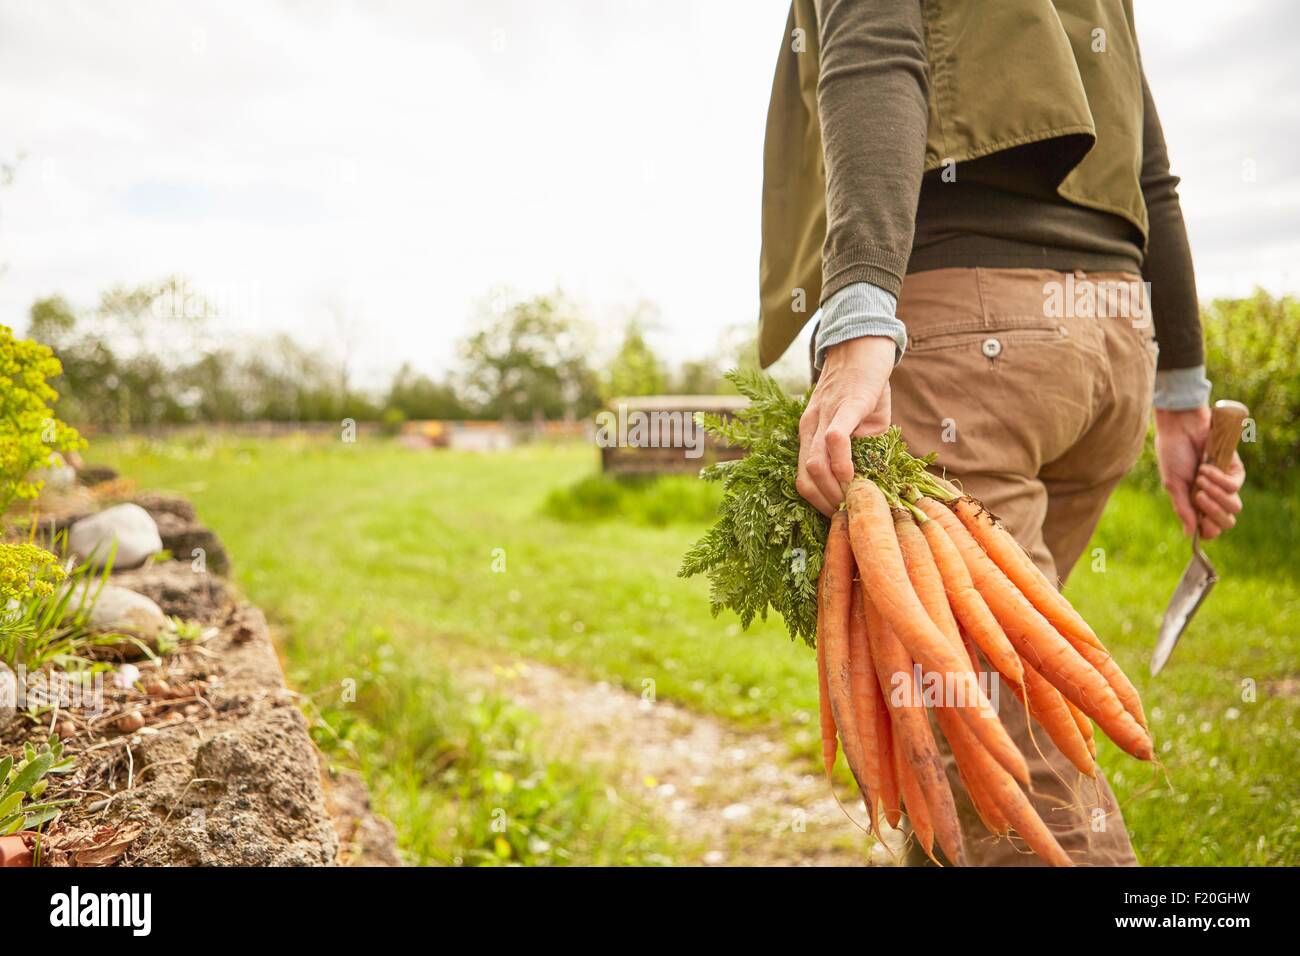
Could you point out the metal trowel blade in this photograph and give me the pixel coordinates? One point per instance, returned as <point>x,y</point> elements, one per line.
<point>1197,581</point>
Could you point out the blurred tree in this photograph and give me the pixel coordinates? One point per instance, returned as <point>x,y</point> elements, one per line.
<point>528,359</point>
<point>635,369</point>
<point>289,382</point>
<point>115,357</point>
<point>390,423</point>
<point>737,347</point>
<point>697,377</point>
<point>213,388</point>
<point>1250,356</point>
<point>51,320</point>
<point>90,371</point>
<point>418,397</point>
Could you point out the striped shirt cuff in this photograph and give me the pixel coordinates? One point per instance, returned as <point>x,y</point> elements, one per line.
<point>856,310</point>
<point>1178,389</point>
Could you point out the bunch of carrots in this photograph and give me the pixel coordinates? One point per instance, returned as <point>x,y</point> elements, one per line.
<point>922,580</point>
<point>911,574</point>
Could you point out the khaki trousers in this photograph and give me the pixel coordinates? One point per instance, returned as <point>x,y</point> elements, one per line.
<point>1037,405</point>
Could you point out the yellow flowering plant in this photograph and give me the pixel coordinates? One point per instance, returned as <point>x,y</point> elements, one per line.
<point>27,571</point>
<point>30,433</point>
<point>32,605</point>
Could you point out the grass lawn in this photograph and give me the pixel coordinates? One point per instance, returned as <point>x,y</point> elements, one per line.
<point>373,557</point>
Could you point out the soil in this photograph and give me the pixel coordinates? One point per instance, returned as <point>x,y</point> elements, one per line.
<point>206,760</point>
<point>365,838</point>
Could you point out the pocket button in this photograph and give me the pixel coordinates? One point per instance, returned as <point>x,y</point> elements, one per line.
<point>991,348</point>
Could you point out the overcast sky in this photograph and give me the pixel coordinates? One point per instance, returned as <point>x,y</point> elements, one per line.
<point>391,163</point>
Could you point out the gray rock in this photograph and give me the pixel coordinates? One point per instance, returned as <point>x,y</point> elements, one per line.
<point>57,476</point>
<point>123,611</point>
<point>8,697</point>
<point>133,528</point>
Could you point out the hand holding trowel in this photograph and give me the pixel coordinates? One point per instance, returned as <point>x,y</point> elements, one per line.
<point>1225,430</point>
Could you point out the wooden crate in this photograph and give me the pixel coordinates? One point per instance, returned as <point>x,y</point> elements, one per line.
<point>662,445</point>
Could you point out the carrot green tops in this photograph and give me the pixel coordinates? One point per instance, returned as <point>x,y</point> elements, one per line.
<point>905,136</point>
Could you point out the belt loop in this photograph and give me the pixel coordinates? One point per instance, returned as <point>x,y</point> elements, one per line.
<point>985,321</point>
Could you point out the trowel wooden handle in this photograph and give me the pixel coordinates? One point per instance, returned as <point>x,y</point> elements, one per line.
<point>1225,431</point>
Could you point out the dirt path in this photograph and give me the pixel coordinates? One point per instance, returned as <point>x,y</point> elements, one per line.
<point>731,797</point>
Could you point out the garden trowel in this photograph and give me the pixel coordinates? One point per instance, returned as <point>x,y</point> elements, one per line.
<point>1225,429</point>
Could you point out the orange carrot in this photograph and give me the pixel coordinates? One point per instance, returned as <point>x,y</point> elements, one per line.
<point>913,740</point>
<point>1008,555</point>
<point>972,612</point>
<point>971,650</point>
<point>918,814</point>
<point>929,584</point>
<point>986,808</point>
<point>823,690</point>
<point>1039,643</point>
<point>925,577</point>
<point>835,594</point>
<point>989,813</point>
<point>866,700</point>
<point>889,795</point>
<point>1084,725</point>
<point>1043,594</point>
<point>1052,711</point>
<point>989,777</point>
<point>875,545</point>
<point>1105,664</point>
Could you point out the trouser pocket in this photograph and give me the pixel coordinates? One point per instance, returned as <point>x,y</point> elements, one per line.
<point>992,381</point>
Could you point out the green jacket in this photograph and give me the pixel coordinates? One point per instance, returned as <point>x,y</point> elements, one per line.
<point>1000,74</point>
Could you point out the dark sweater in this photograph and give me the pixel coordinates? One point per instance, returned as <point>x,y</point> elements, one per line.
<point>885,217</point>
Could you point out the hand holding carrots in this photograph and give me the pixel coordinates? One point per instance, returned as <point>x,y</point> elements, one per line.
<point>912,574</point>
<point>851,398</point>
